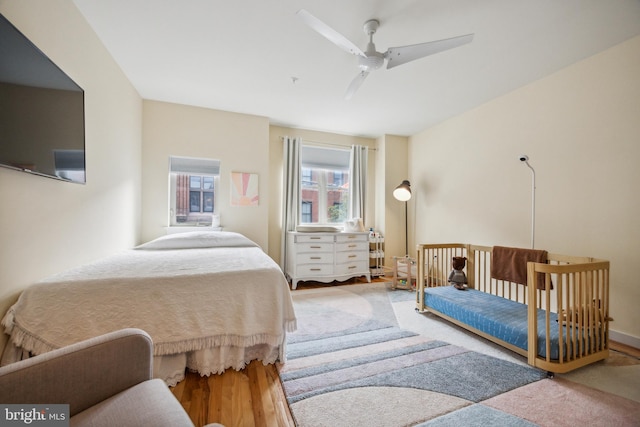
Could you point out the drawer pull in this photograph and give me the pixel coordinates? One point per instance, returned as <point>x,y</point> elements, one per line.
<point>315,247</point>
<point>314,238</point>
<point>315,257</point>
<point>353,246</point>
<point>351,237</point>
<point>316,269</point>
<point>351,267</point>
<point>353,256</point>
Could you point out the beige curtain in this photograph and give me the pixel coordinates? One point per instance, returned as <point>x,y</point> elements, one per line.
<point>358,181</point>
<point>291,192</point>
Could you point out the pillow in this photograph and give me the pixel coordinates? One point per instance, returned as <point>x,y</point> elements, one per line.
<point>199,239</point>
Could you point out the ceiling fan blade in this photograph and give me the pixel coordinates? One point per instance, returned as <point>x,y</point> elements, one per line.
<point>355,84</point>
<point>403,54</point>
<point>329,33</point>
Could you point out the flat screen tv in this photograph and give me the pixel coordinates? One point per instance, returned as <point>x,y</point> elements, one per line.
<point>41,112</point>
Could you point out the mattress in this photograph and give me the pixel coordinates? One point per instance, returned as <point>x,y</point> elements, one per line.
<point>496,316</point>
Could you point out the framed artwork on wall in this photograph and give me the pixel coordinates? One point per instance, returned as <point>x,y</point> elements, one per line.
<point>244,189</point>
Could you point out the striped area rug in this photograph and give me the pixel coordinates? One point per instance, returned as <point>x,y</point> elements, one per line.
<point>350,364</point>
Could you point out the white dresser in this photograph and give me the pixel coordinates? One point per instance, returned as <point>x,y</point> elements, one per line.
<point>325,257</point>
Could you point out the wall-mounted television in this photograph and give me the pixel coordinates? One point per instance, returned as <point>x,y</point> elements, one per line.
<point>41,112</point>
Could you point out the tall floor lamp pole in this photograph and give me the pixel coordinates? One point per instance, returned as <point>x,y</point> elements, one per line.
<point>524,158</point>
<point>403,194</point>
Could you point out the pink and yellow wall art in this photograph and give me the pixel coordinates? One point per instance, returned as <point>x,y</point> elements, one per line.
<point>244,189</point>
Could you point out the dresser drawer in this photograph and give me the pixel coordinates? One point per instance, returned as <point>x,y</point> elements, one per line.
<point>352,267</point>
<point>315,238</point>
<point>346,237</point>
<point>314,258</point>
<point>351,256</point>
<point>354,246</point>
<point>313,247</point>
<point>311,270</point>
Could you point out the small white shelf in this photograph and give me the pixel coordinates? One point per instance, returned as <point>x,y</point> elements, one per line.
<point>376,255</point>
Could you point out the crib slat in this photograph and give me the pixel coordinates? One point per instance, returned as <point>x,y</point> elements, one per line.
<point>547,318</point>
<point>559,295</point>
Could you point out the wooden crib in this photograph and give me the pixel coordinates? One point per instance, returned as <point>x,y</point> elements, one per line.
<point>567,322</point>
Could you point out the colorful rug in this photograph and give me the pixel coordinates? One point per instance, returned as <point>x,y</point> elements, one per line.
<point>350,363</point>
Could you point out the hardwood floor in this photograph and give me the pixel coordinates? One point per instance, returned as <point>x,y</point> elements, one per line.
<point>626,349</point>
<point>254,395</point>
<point>250,397</point>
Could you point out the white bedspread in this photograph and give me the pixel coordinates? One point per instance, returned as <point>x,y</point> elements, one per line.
<point>186,299</point>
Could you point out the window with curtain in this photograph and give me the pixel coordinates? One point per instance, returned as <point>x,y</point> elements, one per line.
<point>193,184</point>
<point>324,185</point>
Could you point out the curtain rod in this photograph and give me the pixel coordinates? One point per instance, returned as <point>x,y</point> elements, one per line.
<point>330,144</point>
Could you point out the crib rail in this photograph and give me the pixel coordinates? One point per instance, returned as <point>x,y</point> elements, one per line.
<point>581,295</point>
<point>434,265</point>
<point>575,301</point>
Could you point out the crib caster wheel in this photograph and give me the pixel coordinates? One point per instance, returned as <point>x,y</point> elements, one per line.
<point>550,375</point>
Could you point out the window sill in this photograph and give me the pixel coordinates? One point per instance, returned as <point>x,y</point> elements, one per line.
<point>186,228</point>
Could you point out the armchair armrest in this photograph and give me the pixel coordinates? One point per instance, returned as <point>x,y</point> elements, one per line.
<point>82,374</point>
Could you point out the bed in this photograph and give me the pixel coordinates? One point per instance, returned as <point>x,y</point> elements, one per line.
<point>554,310</point>
<point>210,300</point>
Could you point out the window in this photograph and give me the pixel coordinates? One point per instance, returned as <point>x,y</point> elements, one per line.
<point>200,193</point>
<point>324,185</point>
<point>307,207</point>
<point>338,177</point>
<point>306,176</point>
<point>192,187</point>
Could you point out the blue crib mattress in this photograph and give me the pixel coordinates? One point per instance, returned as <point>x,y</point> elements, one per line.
<point>493,315</point>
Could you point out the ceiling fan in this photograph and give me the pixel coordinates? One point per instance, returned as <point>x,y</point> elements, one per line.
<point>370,59</point>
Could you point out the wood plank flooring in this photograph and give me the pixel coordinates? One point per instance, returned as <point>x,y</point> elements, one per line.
<point>254,396</point>
<point>250,397</point>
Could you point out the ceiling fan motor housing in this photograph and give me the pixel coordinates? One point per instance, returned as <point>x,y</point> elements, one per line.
<point>372,61</point>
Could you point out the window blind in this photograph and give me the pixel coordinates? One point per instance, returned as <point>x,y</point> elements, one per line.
<point>325,158</point>
<point>195,166</point>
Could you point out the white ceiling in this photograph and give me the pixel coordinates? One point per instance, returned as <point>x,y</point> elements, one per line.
<point>242,55</point>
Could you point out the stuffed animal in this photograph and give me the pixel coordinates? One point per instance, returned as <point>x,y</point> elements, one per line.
<point>457,277</point>
<point>584,316</point>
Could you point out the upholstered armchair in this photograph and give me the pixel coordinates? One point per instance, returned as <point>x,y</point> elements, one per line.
<point>107,381</point>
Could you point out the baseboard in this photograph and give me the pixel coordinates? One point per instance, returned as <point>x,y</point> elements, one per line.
<point>625,339</point>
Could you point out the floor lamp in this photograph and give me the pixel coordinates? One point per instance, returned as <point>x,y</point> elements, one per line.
<point>403,194</point>
<point>524,158</point>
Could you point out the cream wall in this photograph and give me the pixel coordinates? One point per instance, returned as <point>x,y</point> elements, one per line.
<point>239,141</point>
<point>394,150</point>
<point>275,187</point>
<point>581,129</point>
<point>47,225</point>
